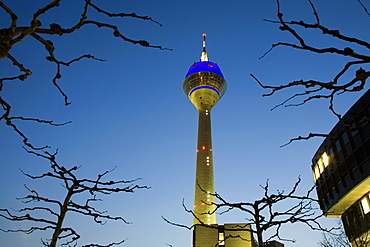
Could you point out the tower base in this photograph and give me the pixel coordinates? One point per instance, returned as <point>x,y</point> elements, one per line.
<point>228,235</point>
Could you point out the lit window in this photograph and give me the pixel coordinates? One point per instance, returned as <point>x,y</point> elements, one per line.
<point>221,238</point>
<point>321,166</point>
<point>317,172</point>
<point>325,159</point>
<point>365,205</point>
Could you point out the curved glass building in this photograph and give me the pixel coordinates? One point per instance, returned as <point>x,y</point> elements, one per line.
<point>341,170</point>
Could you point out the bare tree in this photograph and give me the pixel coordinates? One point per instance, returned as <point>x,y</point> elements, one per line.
<point>55,211</point>
<point>334,241</point>
<point>357,55</point>
<point>14,35</point>
<point>41,31</point>
<point>338,238</point>
<point>262,215</point>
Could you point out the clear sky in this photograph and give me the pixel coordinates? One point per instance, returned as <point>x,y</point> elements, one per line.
<point>130,111</point>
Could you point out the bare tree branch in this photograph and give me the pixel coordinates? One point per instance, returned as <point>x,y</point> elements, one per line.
<point>363,6</point>
<point>316,89</point>
<point>14,34</point>
<point>262,216</point>
<point>53,219</point>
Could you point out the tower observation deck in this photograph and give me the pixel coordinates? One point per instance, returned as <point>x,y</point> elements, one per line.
<point>204,85</point>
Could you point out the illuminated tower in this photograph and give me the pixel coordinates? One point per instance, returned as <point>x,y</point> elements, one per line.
<point>204,85</point>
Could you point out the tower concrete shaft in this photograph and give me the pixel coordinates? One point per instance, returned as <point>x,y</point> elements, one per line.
<point>204,181</point>
<point>204,85</point>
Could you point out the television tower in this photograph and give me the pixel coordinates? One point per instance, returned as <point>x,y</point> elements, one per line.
<point>204,85</point>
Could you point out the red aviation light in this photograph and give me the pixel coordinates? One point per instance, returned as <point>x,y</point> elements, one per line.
<point>204,147</point>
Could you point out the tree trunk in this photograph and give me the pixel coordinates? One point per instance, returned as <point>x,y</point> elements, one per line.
<point>63,212</point>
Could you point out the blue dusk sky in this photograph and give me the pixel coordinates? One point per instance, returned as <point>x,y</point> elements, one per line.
<point>129,111</point>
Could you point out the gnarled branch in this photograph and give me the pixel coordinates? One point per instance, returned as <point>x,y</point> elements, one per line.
<point>15,34</point>
<point>316,89</point>
<point>53,219</point>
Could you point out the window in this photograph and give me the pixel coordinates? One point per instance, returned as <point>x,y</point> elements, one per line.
<point>338,146</point>
<point>316,173</point>
<point>355,132</point>
<point>331,152</point>
<point>365,204</point>
<point>347,220</point>
<point>325,159</point>
<point>321,165</point>
<point>326,197</point>
<point>345,138</point>
<point>221,238</point>
<point>364,122</point>
<point>338,185</point>
<point>332,158</point>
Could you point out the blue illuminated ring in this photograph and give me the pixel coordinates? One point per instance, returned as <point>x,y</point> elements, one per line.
<point>209,87</point>
<point>204,66</point>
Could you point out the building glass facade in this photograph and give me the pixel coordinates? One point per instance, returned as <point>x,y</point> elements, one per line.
<point>341,170</point>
